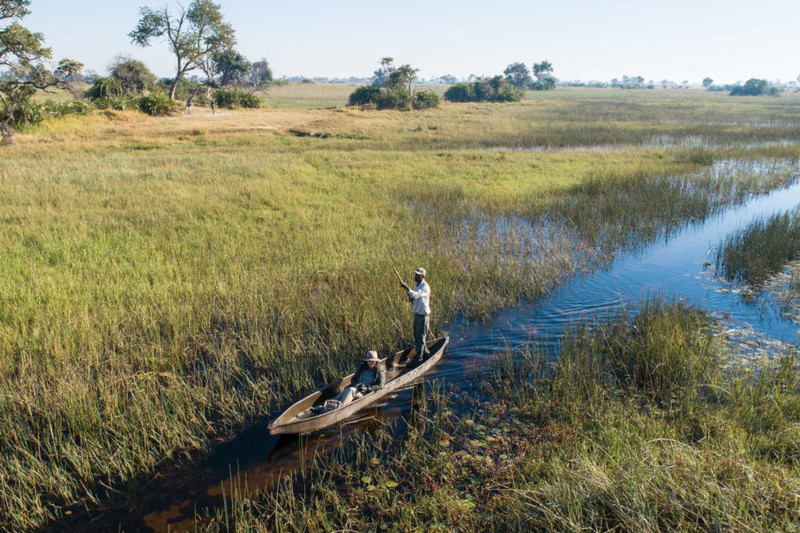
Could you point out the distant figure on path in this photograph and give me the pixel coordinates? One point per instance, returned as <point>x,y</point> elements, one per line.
<point>189,105</point>
<point>213,107</point>
<point>420,296</point>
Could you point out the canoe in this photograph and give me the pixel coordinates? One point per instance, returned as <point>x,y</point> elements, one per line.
<point>299,419</point>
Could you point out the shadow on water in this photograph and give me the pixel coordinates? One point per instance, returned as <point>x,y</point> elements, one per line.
<point>676,267</point>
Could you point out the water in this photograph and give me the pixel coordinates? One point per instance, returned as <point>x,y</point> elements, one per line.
<point>680,266</point>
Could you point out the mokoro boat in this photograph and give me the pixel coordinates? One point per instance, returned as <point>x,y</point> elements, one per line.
<point>299,419</point>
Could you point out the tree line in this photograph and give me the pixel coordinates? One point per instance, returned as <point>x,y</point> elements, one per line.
<point>197,36</point>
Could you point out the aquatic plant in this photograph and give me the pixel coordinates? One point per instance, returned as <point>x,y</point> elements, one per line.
<point>754,253</point>
<point>582,443</point>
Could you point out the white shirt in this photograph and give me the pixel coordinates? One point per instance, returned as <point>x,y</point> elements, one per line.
<point>421,296</point>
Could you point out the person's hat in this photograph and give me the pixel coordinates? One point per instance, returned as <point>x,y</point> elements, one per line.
<point>372,355</point>
<point>421,271</point>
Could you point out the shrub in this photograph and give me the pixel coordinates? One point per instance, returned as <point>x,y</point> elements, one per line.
<point>394,99</point>
<point>233,98</point>
<point>133,75</point>
<point>57,110</point>
<point>365,95</point>
<point>104,88</point>
<point>24,114</point>
<point>157,104</point>
<point>425,100</point>
<point>755,87</point>
<point>495,89</point>
<point>461,92</point>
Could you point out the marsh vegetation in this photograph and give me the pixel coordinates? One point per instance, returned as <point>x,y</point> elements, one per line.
<point>165,281</point>
<point>635,426</point>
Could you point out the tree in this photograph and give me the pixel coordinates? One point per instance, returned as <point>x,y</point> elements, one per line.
<point>193,36</point>
<point>68,69</point>
<point>707,82</point>
<point>391,89</point>
<point>133,75</point>
<point>260,73</point>
<point>381,76</point>
<point>401,77</point>
<point>448,79</point>
<point>23,54</point>
<point>518,75</point>
<point>545,80</point>
<point>231,67</point>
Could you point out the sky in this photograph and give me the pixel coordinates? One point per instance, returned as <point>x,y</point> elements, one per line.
<point>677,40</point>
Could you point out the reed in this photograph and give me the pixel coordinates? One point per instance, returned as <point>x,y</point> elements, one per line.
<point>525,458</point>
<point>756,252</point>
<point>166,281</point>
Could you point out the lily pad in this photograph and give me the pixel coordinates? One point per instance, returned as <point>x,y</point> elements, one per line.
<point>390,484</point>
<point>366,480</point>
<point>371,488</point>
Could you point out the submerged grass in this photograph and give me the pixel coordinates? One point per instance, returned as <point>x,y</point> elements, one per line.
<point>636,427</point>
<point>165,280</point>
<point>756,252</point>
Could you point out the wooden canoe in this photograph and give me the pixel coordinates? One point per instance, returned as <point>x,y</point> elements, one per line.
<point>299,419</point>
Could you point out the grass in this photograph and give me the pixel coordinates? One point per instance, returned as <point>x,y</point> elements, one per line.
<point>635,428</point>
<point>164,281</point>
<point>755,253</point>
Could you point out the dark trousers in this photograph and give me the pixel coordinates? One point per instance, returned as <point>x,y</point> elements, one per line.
<point>420,331</point>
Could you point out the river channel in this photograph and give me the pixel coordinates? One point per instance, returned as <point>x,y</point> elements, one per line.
<point>679,266</point>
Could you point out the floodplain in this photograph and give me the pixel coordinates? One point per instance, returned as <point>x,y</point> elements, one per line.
<point>167,281</point>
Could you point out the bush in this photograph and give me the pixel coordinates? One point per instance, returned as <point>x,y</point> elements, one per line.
<point>25,113</point>
<point>394,99</point>
<point>157,105</point>
<point>461,92</point>
<point>425,100</point>
<point>755,87</point>
<point>104,88</point>
<point>495,89</point>
<point>30,113</point>
<point>58,110</point>
<point>233,98</point>
<point>365,95</point>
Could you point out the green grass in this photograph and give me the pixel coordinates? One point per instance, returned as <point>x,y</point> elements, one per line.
<point>756,252</point>
<point>165,281</point>
<point>636,428</point>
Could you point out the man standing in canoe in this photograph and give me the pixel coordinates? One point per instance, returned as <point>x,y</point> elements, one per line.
<point>420,297</point>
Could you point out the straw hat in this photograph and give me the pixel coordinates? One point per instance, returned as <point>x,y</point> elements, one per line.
<point>372,355</point>
<point>421,271</point>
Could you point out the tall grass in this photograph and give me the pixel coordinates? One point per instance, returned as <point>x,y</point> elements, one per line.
<point>586,443</point>
<point>754,253</point>
<point>167,280</point>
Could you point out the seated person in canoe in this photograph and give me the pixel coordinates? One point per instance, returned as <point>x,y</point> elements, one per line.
<point>369,377</point>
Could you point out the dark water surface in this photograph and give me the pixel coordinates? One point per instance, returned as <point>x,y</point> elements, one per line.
<point>680,266</point>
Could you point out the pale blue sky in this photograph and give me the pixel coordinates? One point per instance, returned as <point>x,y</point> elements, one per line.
<point>590,40</point>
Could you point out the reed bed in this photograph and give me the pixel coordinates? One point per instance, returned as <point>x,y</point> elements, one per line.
<point>165,281</point>
<point>753,254</point>
<point>635,427</point>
